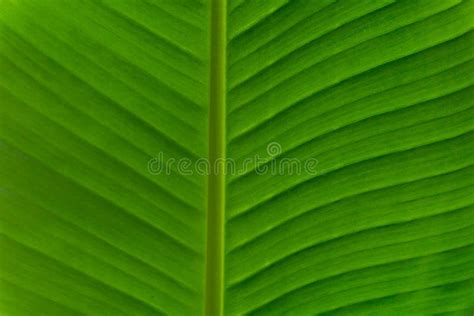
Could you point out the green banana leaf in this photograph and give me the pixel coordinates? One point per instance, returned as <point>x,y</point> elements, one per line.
<point>262,157</point>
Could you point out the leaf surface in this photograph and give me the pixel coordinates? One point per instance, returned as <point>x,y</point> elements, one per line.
<point>101,100</point>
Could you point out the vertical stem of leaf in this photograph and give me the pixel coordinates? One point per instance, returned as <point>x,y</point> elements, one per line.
<point>214,291</point>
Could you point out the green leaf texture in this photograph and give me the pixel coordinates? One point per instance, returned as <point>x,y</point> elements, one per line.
<point>91,91</point>
<point>379,92</point>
